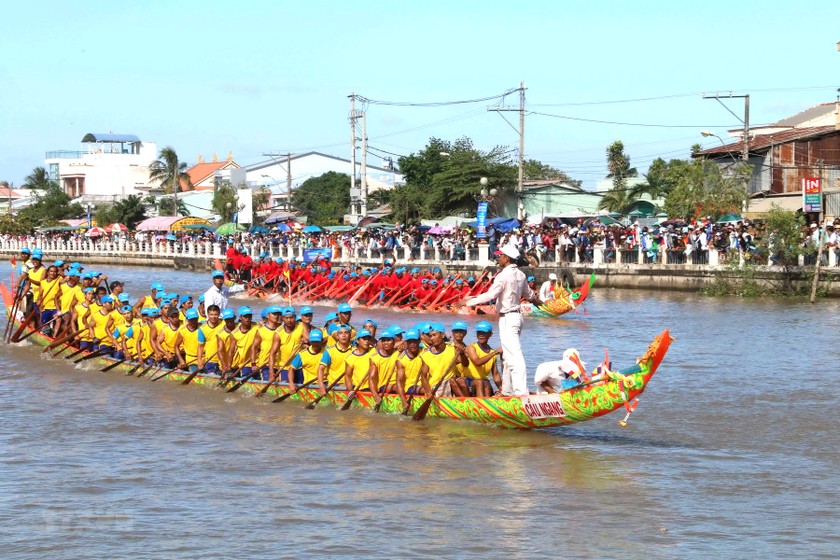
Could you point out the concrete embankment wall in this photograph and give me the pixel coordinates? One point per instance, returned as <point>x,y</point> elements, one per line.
<point>687,278</point>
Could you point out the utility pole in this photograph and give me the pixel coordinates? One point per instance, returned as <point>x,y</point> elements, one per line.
<point>363,205</point>
<point>821,231</point>
<point>289,180</point>
<point>745,139</point>
<point>177,185</point>
<point>353,115</point>
<point>520,205</point>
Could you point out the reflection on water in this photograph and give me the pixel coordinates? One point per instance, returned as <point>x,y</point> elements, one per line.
<point>730,453</point>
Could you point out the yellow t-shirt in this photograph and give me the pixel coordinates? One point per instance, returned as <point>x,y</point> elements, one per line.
<point>190,341</point>
<point>169,335</point>
<point>266,339</point>
<point>68,295</point>
<point>307,362</point>
<point>412,369</point>
<point>211,341</point>
<point>82,313</point>
<point>438,363</point>
<point>482,371</point>
<point>334,359</point>
<point>244,341</point>
<point>37,275</point>
<point>100,321</point>
<point>359,366</point>
<point>50,289</point>
<point>387,366</point>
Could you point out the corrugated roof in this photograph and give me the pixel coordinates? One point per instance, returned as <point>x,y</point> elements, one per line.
<point>113,138</point>
<point>764,141</point>
<point>807,115</point>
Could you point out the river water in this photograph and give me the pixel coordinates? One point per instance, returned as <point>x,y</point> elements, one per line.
<point>732,453</point>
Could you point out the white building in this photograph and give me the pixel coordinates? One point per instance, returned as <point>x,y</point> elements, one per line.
<point>108,168</point>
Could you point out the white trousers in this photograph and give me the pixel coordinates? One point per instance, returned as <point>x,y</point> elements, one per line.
<point>514,374</point>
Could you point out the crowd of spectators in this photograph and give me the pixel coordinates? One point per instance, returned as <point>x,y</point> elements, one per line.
<point>553,241</point>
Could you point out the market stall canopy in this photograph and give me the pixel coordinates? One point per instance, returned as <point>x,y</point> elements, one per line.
<point>502,225</point>
<point>277,217</point>
<point>339,229</point>
<point>78,222</point>
<point>199,226</point>
<point>730,218</point>
<point>169,223</point>
<point>311,229</point>
<point>229,228</point>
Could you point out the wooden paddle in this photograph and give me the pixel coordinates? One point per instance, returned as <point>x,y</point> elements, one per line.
<point>33,331</point>
<point>382,398</point>
<point>424,408</point>
<point>148,368</point>
<point>162,375</point>
<point>242,381</point>
<point>115,364</point>
<point>61,341</point>
<point>16,337</point>
<point>282,398</point>
<point>289,361</point>
<point>311,405</point>
<point>68,356</point>
<point>140,363</point>
<point>91,356</point>
<point>191,376</point>
<point>15,307</point>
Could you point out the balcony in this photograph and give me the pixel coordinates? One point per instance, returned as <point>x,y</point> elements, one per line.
<point>64,154</point>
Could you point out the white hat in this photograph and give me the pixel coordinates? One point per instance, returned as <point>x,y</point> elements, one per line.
<point>552,276</point>
<point>509,250</point>
<point>813,225</point>
<point>567,365</point>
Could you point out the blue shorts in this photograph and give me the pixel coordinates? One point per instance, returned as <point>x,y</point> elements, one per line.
<point>245,372</point>
<point>211,367</point>
<point>104,348</point>
<point>264,373</point>
<point>284,376</point>
<point>412,390</point>
<point>85,345</point>
<point>119,356</point>
<point>48,315</point>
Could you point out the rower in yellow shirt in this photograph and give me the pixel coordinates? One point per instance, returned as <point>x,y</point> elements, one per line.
<point>244,357</point>
<point>483,361</point>
<point>286,342</point>
<point>166,336</point>
<point>306,363</point>
<point>264,341</point>
<point>334,358</point>
<point>98,321</point>
<point>81,313</point>
<point>438,362</point>
<point>189,343</point>
<point>357,365</point>
<point>408,366</point>
<point>383,369</point>
<point>211,329</point>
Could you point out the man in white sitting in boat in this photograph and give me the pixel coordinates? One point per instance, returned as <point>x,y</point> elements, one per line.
<point>559,375</point>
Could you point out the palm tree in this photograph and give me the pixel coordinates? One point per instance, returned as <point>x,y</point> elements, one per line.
<point>38,179</point>
<point>170,172</point>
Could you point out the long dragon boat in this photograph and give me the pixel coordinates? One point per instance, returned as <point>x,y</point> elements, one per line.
<point>591,399</point>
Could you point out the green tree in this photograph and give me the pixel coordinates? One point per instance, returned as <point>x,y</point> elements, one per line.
<point>39,179</point>
<point>166,207</point>
<point>170,172</point>
<point>619,197</point>
<point>535,170</point>
<point>702,188</point>
<point>379,197</point>
<point>444,178</point>
<point>324,199</point>
<point>51,205</point>
<point>224,200</point>
<point>129,211</point>
<point>782,236</point>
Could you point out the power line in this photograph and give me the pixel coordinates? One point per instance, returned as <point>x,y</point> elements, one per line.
<point>566,117</point>
<point>433,103</point>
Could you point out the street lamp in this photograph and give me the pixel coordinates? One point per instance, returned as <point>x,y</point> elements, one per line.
<point>486,195</point>
<point>88,207</point>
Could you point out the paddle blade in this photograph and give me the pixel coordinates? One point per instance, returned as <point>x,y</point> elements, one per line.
<point>423,410</point>
<point>349,401</point>
<point>112,366</point>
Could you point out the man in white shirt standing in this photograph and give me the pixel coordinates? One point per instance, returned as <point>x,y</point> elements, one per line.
<point>219,293</point>
<point>508,289</point>
<point>547,288</point>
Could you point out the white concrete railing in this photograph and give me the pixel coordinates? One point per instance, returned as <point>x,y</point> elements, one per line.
<point>422,255</point>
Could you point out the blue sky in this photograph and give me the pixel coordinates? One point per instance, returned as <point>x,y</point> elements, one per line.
<point>253,77</point>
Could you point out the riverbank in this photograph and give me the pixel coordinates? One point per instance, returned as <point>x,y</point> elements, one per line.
<point>659,277</point>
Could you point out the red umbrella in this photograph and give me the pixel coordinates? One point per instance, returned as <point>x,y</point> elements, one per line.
<point>96,232</point>
<point>116,228</point>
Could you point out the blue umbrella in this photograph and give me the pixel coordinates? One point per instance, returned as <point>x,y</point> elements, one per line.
<point>311,229</point>
<point>282,228</point>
